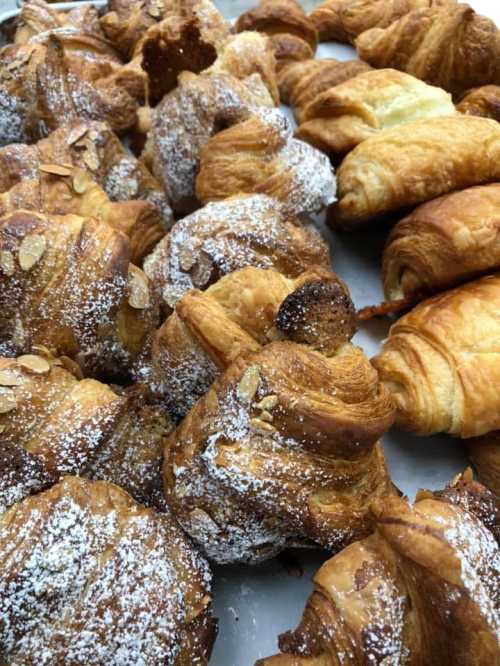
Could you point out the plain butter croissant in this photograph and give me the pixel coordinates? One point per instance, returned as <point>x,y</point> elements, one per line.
<point>443,242</point>
<point>483,101</point>
<point>413,163</point>
<point>87,576</point>
<point>441,362</point>
<point>423,589</point>
<point>343,116</point>
<point>450,46</point>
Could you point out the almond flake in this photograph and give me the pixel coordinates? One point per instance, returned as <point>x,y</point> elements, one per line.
<point>138,288</point>
<point>80,181</point>
<point>36,364</point>
<point>90,157</point>
<point>249,383</point>
<point>267,402</point>
<point>7,263</point>
<point>10,378</point>
<point>8,400</point>
<point>266,416</point>
<point>202,271</point>
<point>31,250</point>
<point>262,427</point>
<point>187,258</point>
<point>55,169</point>
<point>76,134</point>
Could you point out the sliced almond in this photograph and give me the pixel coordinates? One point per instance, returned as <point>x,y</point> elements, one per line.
<point>138,288</point>
<point>202,270</point>
<point>2,428</point>
<point>262,427</point>
<point>80,181</point>
<point>7,263</point>
<point>249,383</point>
<point>10,378</point>
<point>187,258</point>
<point>36,364</point>
<point>266,416</point>
<point>56,169</point>
<point>268,402</point>
<point>76,134</point>
<point>42,350</point>
<point>31,250</point>
<point>8,400</point>
<point>90,157</point>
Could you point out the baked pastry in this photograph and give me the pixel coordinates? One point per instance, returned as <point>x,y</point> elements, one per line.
<point>413,163</point>
<point>450,46</point>
<point>301,82</point>
<point>423,589</point>
<point>292,34</point>
<point>184,121</point>
<point>235,316</point>
<point>443,242</point>
<point>259,155</point>
<point>89,576</point>
<point>341,117</point>
<point>53,422</point>
<point>483,101</point>
<point>225,236</point>
<point>68,284</point>
<point>344,20</point>
<point>484,453</point>
<point>94,148</point>
<point>441,362</point>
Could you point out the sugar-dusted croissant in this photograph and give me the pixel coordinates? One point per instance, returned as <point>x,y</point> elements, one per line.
<point>281,448</point>
<point>87,576</point>
<point>260,155</point>
<point>301,82</point>
<point>441,362</point>
<point>236,315</point>
<point>38,17</point>
<point>183,122</point>
<point>483,101</point>
<point>292,34</point>
<point>94,148</point>
<point>484,453</point>
<point>344,20</point>
<point>341,117</point>
<point>68,284</point>
<point>442,243</point>
<point>413,163</point>
<point>423,589</point>
<point>450,46</point>
<point>228,235</point>
<point>53,422</point>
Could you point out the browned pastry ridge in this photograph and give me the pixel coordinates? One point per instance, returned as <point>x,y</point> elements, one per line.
<point>227,235</point>
<point>344,20</point>
<point>484,453</point>
<point>88,576</point>
<point>423,589</point>
<point>451,47</point>
<point>292,34</point>
<point>88,146</point>
<point>442,243</point>
<point>54,422</point>
<point>413,163</point>
<point>483,101</point>
<point>441,362</point>
<point>67,283</point>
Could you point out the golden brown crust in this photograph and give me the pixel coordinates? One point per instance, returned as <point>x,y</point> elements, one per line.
<point>281,447</point>
<point>483,101</point>
<point>442,243</point>
<point>340,118</point>
<point>451,47</point>
<point>413,163</point>
<point>440,362</point>
<point>484,453</point>
<point>429,571</point>
<point>98,578</point>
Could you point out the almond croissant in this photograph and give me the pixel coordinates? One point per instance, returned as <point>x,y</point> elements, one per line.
<point>444,242</point>
<point>483,101</point>
<point>451,47</point>
<point>281,448</point>
<point>441,362</point>
<point>87,576</point>
<point>423,589</point>
<point>484,453</point>
<point>413,163</point>
<point>225,236</point>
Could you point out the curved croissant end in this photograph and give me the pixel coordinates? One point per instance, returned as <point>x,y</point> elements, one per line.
<point>483,101</point>
<point>484,453</point>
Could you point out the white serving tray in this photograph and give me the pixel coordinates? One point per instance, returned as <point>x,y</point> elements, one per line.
<point>255,604</point>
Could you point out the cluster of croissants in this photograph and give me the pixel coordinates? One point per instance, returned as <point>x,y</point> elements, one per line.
<point>177,378</point>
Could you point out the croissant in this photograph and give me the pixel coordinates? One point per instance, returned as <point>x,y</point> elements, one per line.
<point>93,148</point>
<point>442,243</point>
<point>53,422</point>
<point>451,47</point>
<point>483,101</point>
<point>292,34</point>
<point>67,283</point>
<point>184,121</point>
<point>441,362</point>
<point>235,316</point>
<point>260,155</point>
<point>423,589</point>
<point>484,453</point>
<point>340,118</point>
<point>344,20</point>
<point>227,235</point>
<point>413,163</point>
<point>301,82</point>
<point>88,576</point>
